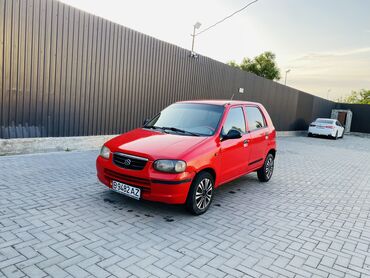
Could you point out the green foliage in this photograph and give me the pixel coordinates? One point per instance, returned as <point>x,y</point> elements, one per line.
<point>233,64</point>
<point>263,65</point>
<point>359,97</point>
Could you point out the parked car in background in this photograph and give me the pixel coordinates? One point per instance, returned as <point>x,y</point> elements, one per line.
<point>326,127</point>
<point>189,149</point>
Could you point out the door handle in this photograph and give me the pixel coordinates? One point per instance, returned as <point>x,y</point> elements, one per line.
<point>265,134</point>
<point>245,142</point>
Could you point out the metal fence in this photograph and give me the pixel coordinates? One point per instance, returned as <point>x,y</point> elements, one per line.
<point>360,118</point>
<point>65,72</point>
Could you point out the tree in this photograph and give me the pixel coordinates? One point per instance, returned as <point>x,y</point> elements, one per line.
<point>359,97</point>
<point>233,64</point>
<point>263,65</point>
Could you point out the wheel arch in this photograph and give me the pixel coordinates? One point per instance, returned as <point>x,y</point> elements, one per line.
<point>210,170</point>
<point>272,151</point>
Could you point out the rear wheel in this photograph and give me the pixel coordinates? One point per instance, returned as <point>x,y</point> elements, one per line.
<point>200,194</point>
<point>309,134</point>
<point>265,173</point>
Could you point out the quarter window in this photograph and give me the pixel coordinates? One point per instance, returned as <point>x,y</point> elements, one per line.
<point>235,120</point>
<point>255,118</point>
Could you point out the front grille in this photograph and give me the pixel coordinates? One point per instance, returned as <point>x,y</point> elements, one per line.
<point>129,161</point>
<point>131,180</point>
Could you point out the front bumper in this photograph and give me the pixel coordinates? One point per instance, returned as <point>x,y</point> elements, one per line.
<point>155,186</point>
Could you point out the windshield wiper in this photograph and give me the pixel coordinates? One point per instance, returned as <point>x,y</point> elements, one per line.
<point>153,127</point>
<point>179,130</point>
<point>172,129</point>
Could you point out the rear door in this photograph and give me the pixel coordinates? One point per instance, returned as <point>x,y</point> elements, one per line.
<point>234,152</point>
<point>257,137</point>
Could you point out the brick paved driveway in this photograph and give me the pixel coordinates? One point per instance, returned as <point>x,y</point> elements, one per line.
<point>310,220</point>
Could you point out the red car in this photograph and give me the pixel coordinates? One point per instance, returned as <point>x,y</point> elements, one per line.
<point>187,150</point>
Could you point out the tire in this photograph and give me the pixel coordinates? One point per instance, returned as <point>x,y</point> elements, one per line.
<point>264,174</point>
<point>200,195</point>
<point>309,134</point>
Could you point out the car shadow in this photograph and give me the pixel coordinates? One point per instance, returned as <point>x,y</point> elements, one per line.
<point>322,137</point>
<point>169,213</point>
<point>141,208</point>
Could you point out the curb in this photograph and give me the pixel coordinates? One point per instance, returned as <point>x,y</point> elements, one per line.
<point>291,133</point>
<point>358,134</point>
<point>51,144</point>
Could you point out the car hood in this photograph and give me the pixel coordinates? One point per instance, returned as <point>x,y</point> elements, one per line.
<point>154,144</point>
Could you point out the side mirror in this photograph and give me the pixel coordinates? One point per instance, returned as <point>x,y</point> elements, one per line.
<point>232,134</point>
<point>145,122</point>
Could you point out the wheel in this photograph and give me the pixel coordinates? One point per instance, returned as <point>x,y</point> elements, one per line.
<point>265,173</point>
<point>200,194</point>
<point>309,134</point>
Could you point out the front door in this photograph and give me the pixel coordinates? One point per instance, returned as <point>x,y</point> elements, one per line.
<point>234,152</point>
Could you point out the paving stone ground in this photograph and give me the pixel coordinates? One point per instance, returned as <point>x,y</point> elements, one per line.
<point>310,220</point>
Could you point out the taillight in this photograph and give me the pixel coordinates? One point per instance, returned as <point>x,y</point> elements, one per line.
<point>329,126</point>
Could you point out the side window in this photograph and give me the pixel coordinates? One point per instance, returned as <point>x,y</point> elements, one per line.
<point>235,120</point>
<point>338,123</point>
<point>255,118</point>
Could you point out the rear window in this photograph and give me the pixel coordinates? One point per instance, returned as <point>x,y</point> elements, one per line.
<point>324,121</point>
<point>254,118</point>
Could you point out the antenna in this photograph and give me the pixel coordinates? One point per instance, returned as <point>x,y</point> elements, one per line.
<point>232,97</point>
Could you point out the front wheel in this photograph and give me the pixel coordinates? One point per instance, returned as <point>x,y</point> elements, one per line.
<point>200,194</point>
<point>265,173</point>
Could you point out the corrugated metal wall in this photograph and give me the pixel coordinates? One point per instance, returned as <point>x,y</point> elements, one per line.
<point>360,118</point>
<point>65,72</point>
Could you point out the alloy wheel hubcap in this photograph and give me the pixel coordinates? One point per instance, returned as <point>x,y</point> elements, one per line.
<point>203,194</point>
<point>269,167</point>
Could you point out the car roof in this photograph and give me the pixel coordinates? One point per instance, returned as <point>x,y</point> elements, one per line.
<point>221,102</point>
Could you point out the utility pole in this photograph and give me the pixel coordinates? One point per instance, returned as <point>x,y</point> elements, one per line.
<point>327,94</point>
<point>286,74</point>
<point>196,26</point>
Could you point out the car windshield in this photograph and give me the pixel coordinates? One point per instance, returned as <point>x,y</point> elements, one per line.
<point>188,119</point>
<point>321,121</point>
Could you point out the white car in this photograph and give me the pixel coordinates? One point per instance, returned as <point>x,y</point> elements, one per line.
<point>326,127</point>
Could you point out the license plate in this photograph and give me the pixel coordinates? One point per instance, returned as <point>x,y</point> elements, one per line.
<point>126,189</point>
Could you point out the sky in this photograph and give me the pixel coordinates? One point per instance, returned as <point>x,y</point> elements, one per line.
<point>325,43</point>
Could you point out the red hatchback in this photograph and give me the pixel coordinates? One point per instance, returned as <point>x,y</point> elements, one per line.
<point>189,149</point>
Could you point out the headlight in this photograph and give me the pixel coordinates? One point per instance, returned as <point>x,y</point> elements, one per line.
<point>170,166</point>
<point>105,152</point>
